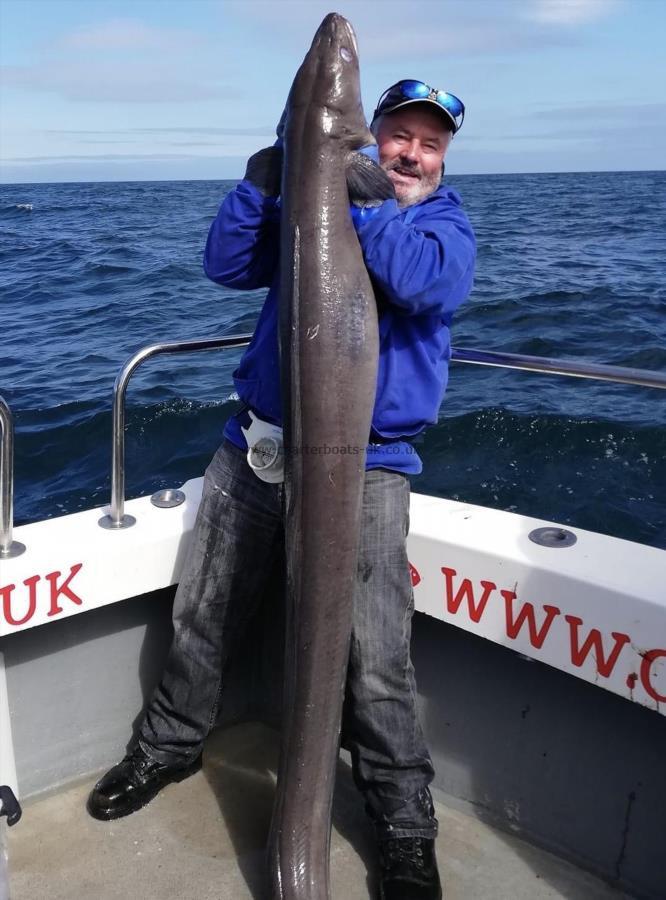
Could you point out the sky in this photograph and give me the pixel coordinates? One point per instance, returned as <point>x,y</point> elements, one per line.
<point>105,90</point>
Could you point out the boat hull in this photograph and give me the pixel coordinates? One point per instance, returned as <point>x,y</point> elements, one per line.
<point>532,742</point>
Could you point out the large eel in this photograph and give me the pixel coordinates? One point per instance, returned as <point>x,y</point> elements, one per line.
<point>329,350</point>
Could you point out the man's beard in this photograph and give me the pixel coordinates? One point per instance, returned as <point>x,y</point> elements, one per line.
<point>423,186</point>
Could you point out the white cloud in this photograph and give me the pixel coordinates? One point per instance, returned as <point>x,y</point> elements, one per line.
<point>212,130</point>
<point>389,30</point>
<point>121,61</point>
<point>471,39</point>
<point>126,34</point>
<point>620,112</point>
<point>99,157</point>
<point>427,28</point>
<point>106,82</point>
<point>571,12</point>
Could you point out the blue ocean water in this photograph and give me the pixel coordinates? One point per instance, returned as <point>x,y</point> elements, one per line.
<point>570,266</point>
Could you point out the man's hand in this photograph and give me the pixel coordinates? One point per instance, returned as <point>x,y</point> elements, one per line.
<point>264,170</point>
<point>368,185</point>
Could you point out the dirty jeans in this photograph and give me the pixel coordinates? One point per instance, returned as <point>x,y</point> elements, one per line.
<point>238,538</point>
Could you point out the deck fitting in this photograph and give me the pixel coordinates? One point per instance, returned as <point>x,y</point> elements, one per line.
<point>167,498</point>
<point>552,536</point>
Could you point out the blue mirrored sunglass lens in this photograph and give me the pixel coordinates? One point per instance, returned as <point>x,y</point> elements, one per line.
<point>450,103</point>
<point>414,89</point>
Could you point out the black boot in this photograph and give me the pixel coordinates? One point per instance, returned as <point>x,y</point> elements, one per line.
<point>408,869</point>
<point>132,783</point>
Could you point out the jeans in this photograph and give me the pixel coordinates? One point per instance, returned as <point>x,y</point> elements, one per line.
<point>238,538</point>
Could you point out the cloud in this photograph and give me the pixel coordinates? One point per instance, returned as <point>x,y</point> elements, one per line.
<point>471,39</point>
<point>106,82</point>
<point>213,131</point>
<point>106,141</point>
<point>121,60</point>
<point>571,12</point>
<point>386,33</point>
<point>151,169</point>
<point>622,124</point>
<point>126,34</point>
<point>106,157</point>
<point>624,113</point>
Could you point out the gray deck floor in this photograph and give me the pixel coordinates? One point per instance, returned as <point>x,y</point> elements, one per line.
<point>204,839</point>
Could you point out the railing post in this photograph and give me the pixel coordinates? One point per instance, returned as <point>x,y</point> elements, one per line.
<point>8,547</point>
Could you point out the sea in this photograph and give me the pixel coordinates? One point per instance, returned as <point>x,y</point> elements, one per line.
<point>570,266</point>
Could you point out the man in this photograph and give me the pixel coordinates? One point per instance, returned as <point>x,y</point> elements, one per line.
<point>419,250</point>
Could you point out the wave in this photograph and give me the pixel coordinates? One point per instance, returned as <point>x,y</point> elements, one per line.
<point>653,358</point>
<point>63,453</point>
<point>596,474</point>
<point>15,210</point>
<point>591,473</point>
<point>97,271</point>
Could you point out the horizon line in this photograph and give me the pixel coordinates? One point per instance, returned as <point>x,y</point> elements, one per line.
<point>454,175</point>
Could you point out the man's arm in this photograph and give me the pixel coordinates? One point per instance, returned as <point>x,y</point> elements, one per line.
<point>422,267</point>
<point>243,241</point>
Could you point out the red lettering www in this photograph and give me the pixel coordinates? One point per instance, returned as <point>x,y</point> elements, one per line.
<point>579,654</point>
<point>526,614</point>
<point>466,592</point>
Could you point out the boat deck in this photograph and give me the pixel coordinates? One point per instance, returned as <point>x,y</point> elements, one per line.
<point>204,839</point>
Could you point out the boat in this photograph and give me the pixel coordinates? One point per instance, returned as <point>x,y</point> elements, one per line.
<point>540,653</point>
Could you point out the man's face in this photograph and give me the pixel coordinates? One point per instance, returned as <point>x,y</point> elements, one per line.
<point>412,145</point>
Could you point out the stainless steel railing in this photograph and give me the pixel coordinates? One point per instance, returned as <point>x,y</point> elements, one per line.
<point>8,547</point>
<point>619,374</point>
<point>118,519</point>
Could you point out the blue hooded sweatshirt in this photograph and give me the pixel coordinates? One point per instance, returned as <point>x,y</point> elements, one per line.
<point>421,262</point>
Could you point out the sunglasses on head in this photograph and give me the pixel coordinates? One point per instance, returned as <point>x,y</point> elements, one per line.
<point>419,90</point>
